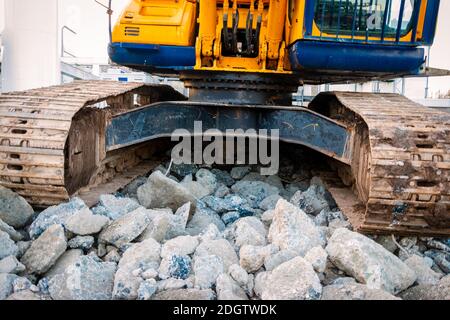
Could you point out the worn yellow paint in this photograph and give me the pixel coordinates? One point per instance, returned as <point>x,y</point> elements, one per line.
<point>174,22</point>
<point>165,22</point>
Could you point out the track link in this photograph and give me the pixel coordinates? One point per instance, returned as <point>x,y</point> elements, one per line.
<point>52,139</point>
<point>400,161</point>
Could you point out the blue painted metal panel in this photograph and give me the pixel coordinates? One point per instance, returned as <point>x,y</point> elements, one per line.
<point>309,15</point>
<point>429,29</point>
<point>326,55</point>
<point>151,56</point>
<point>296,125</point>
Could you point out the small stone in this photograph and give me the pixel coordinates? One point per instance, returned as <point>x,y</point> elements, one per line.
<point>223,177</point>
<point>194,187</point>
<point>252,257</point>
<point>267,217</point>
<point>254,176</point>
<point>230,217</point>
<point>143,255</point>
<point>6,284</point>
<point>312,201</point>
<point>343,281</point>
<point>23,246</point>
<point>354,291</point>
<point>102,249</point>
<point>14,210</point>
<point>22,283</point>
<point>183,245</point>
<point>175,266</point>
<point>280,257</point>
<point>292,280</point>
<point>238,274</point>
<point>149,274</point>
<point>239,172</point>
<point>231,202</point>
<point>84,222</point>
<point>222,191</point>
<point>337,224</point>
<point>206,270</point>
<point>86,279</point>
<point>162,192</point>
<point>7,246</point>
<point>13,234</point>
<point>182,170</point>
<point>322,218</point>
<point>440,258</point>
<point>173,284</point>
<point>114,207</point>
<point>55,215</point>
<point>161,223</point>
<point>425,275</point>
<point>126,228</point>
<point>254,191</point>
<point>317,256</point>
<point>210,233</point>
<point>207,179</point>
<point>292,229</point>
<point>67,258</point>
<point>147,289</point>
<point>369,262</point>
<point>25,295</point>
<point>275,181</point>
<point>113,256</point>
<point>10,264</point>
<point>131,189</point>
<point>45,251</point>
<point>439,291</point>
<point>260,282</point>
<point>202,218</point>
<point>81,242</point>
<point>250,231</point>
<point>228,289</point>
<point>186,294</point>
<point>270,202</point>
<point>222,248</point>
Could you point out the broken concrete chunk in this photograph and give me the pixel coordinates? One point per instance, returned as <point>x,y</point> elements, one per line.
<point>84,222</point>
<point>254,191</point>
<point>292,229</point>
<point>369,262</point>
<point>13,234</point>
<point>354,291</point>
<point>45,250</point>
<point>86,279</point>
<point>162,192</point>
<point>14,210</point>
<point>250,231</point>
<point>126,228</point>
<point>7,246</point>
<point>55,215</point>
<point>425,275</point>
<point>292,280</point>
<point>10,264</point>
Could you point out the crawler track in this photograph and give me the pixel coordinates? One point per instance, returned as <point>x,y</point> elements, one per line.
<point>52,146</point>
<point>52,139</point>
<point>400,162</point>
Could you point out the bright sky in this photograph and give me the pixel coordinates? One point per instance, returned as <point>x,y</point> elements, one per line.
<point>90,21</point>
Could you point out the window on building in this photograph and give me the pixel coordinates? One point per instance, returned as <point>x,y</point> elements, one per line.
<point>362,17</point>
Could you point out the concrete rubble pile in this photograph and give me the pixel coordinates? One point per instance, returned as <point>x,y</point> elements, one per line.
<point>202,233</point>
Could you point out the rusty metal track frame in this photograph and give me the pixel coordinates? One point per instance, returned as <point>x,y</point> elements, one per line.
<point>401,162</point>
<point>46,133</point>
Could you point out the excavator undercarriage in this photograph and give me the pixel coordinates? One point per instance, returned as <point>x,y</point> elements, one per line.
<point>391,154</point>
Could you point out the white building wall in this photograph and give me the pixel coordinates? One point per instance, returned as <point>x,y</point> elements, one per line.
<point>30,44</point>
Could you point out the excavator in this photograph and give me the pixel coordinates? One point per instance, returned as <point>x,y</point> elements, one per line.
<point>242,60</point>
